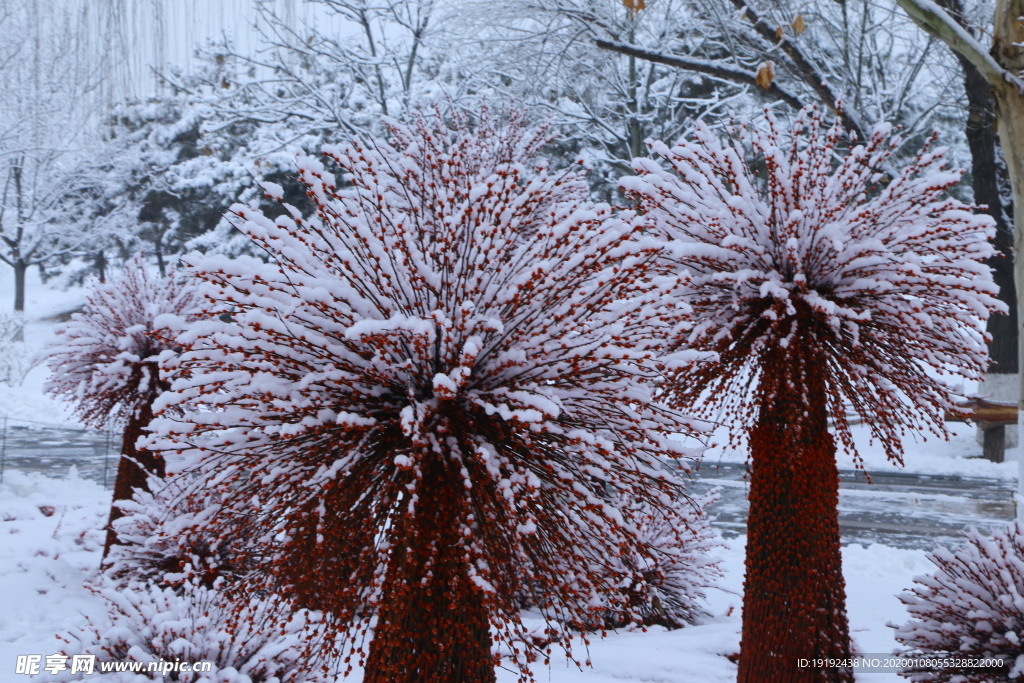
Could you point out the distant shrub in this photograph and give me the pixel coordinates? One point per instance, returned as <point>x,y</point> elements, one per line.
<point>107,359</point>
<point>15,357</point>
<point>681,541</point>
<point>677,568</point>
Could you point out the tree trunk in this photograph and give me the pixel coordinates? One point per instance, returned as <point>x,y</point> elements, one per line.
<point>20,268</point>
<point>100,263</point>
<point>433,624</point>
<point>133,468</point>
<point>994,443</point>
<point>794,603</point>
<point>983,141</point>
<point>161,265</point>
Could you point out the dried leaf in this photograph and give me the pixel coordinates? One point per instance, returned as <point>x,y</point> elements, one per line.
<point>766,74</point>
<point>798,24</point>
<point>778,33</point>
<point>634,6</point>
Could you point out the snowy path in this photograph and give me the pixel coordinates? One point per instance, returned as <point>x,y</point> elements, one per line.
<point>900,509</point>
<point>904,510</point>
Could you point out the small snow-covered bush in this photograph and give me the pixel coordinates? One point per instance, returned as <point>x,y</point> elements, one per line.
<point>972,607</point>
<point>15,357</point>
<point>163,541</point>
<point>261,640</point>
<point>681,565</point>
<point>670,579</point>
<point>174,593</point>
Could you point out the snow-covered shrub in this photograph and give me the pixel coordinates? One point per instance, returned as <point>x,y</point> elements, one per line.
<point>678,568</point>
<point>817,278</point>
<point>681,565</point>
<point>106,362</point>
<point>15,357</point>
<point>972,607</point>
<point>423,398</point>
<point>163,540</point>
<point>259,640</point>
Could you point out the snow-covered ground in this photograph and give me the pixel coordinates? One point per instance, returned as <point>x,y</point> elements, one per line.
<point>42,304</point>
<point>50,543</point>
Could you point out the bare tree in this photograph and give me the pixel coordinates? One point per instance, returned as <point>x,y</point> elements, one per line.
<point>606,104</point>
<point>304,81</point>
<point>864,56</point>
<point>662,66</point>
<point>45,187</point>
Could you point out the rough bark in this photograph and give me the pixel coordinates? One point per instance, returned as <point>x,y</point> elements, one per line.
<point>133,469</point>
<point>1008,38</point>
<point>427,582</point>
<point>982,139</point>
<point>794,603</point>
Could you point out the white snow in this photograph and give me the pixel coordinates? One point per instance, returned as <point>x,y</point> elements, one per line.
<point>45,561</point>
<point>28,402</point>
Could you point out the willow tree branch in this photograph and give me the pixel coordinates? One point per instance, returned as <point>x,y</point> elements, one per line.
<point>721,71</point>
<point>809,73</point>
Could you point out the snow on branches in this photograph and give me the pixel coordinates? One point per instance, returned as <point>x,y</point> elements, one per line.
<point>105,361</point>
<point>814,281</point>
<point>200,626</point>
<point>429,394</point>
<point>15,358</point>
<point>971,608</point>
<point>682,543</point>
<point>885,274</point>
<point>163,541</point>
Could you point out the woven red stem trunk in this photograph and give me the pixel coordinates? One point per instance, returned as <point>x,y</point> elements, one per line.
<point>433,624</point>
<point>794,603</point>
<point>130,475</point>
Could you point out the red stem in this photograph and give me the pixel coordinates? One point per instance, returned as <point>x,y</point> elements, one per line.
<point>794,603</point>
<point>130,475</point>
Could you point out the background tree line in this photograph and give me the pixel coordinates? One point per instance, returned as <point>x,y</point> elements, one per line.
<point>88,177</point>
